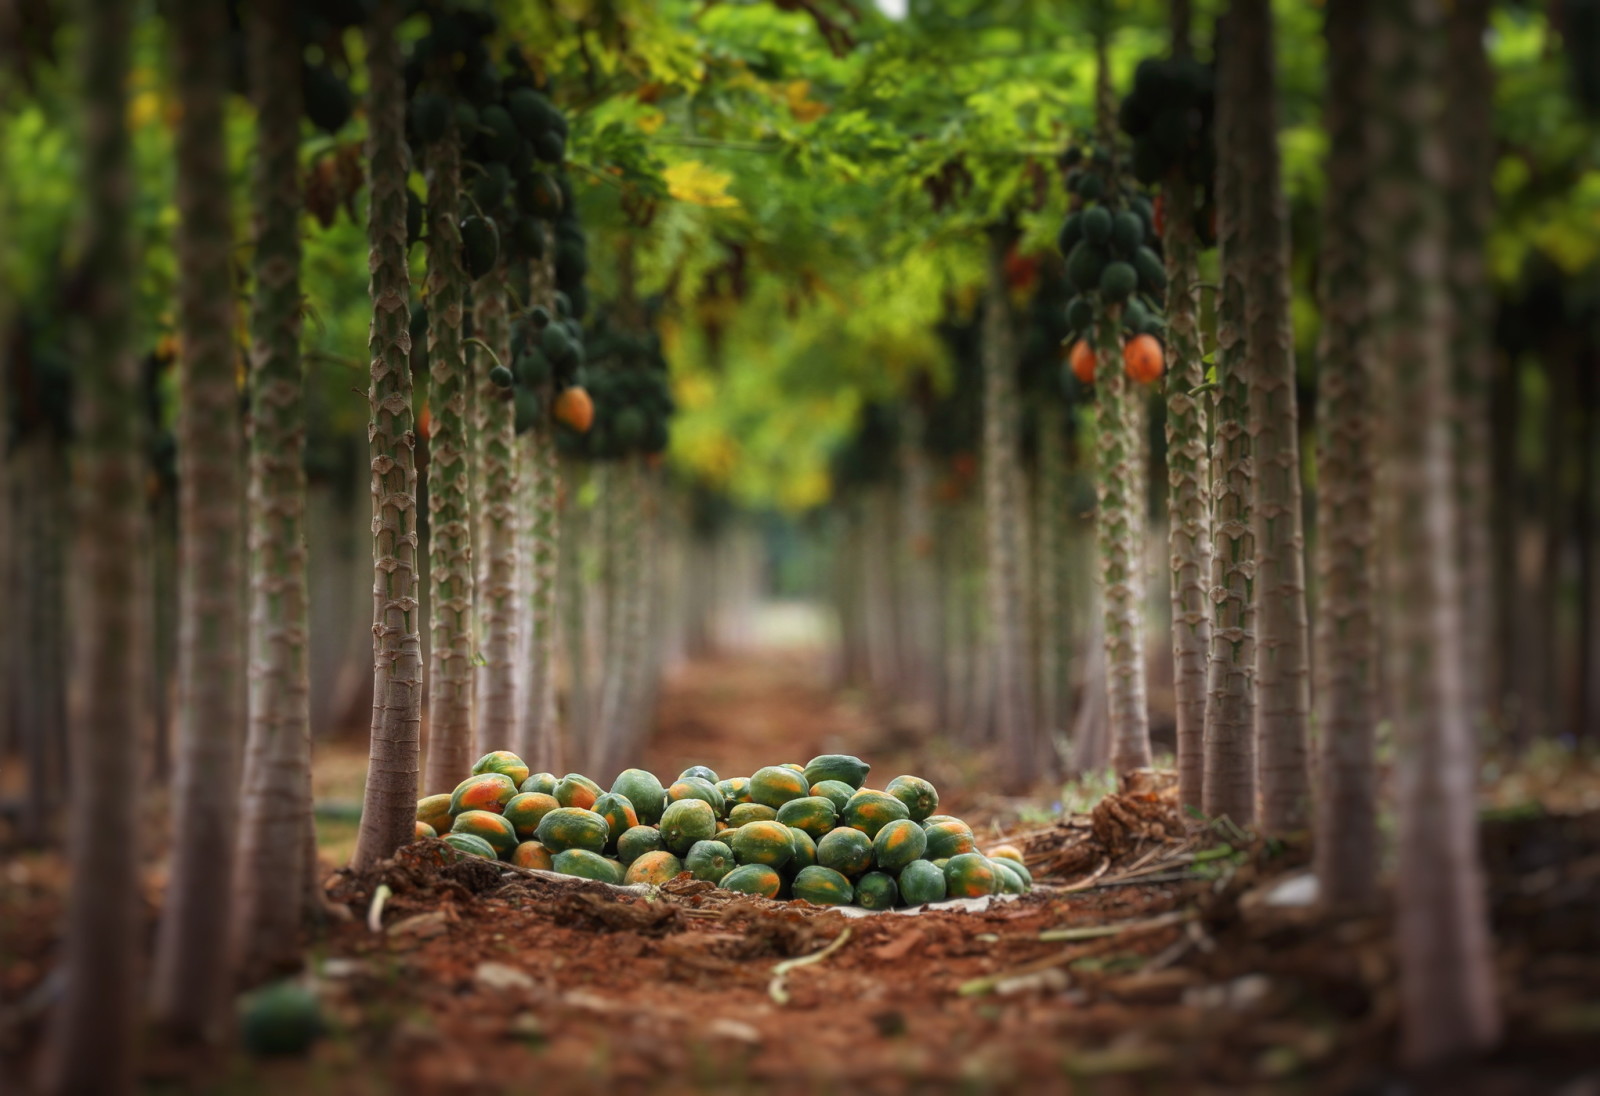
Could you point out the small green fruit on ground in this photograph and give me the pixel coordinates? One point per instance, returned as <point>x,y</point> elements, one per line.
<point>577,790</point>
<point>702,772</point>
<point>279,1020</point>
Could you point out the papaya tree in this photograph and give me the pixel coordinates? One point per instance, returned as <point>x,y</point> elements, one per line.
<point>90,1046</point>
<point>1103,240</point>
<point>191,982</point>
<point>1347,843</point>
<point>1447,996</point>
<point>275,831</point>
<point>1229,742</point>
<point>389,804</point>
<point>452,643</point>
<point>1168,114</point>
<point>1283,665</point>
<point>497,583</point>
<point>1470,146</point>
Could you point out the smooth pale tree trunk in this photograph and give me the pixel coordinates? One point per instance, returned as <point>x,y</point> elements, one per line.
<point>1347,841</point>
<point>91,1041</point>
<point>1051,565</point>
<point>1283,679</point>
<point>920,620</point>
<point>541,740</point>
<point>191,979</point>
<point>497,572</point>
<point>1189,491</point>
<point>623,593</point>
<point>571,537</point>
<point>1230,745</point>
<point>1005,522</point>
<point>276,813</point>
<point>1470,146</point>
<point>40,499</point>
<point>450,546</point>
<point>1447,994</point>
<point>388,815</point>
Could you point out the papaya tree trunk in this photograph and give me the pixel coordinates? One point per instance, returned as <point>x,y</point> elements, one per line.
<point>1121,556</point>
<point>276,812</point>
<point>497,596</point>
<point>622,594</point>
<point>1230,747</point>
<point>1004,520</point>
<point>91,1042</point>
<point>450,546</point>
<point>1189,490</point>
<point>1469,79</point>
<point>1447,1001</point>
<point>541,741</point>
<point>1283,679</point>
<point>40,492</point>
<point>388,815</point>
<point>1347,848</point>
<point>1050,566</point>
<point>574,604</point>
<point>191,979</point>
<point>920,620</point>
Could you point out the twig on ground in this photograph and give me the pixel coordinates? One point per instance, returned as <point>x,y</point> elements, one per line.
<point>776,987</point>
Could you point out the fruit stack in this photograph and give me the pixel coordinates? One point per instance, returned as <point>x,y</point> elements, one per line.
<point>810,832</point>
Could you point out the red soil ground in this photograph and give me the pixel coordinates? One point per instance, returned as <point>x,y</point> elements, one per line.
<point>1175,973</point>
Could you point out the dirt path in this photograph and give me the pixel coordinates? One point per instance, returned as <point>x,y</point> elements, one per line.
<point>737,713</point>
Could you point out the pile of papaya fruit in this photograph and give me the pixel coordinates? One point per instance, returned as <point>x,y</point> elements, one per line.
<point>814,833</point>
